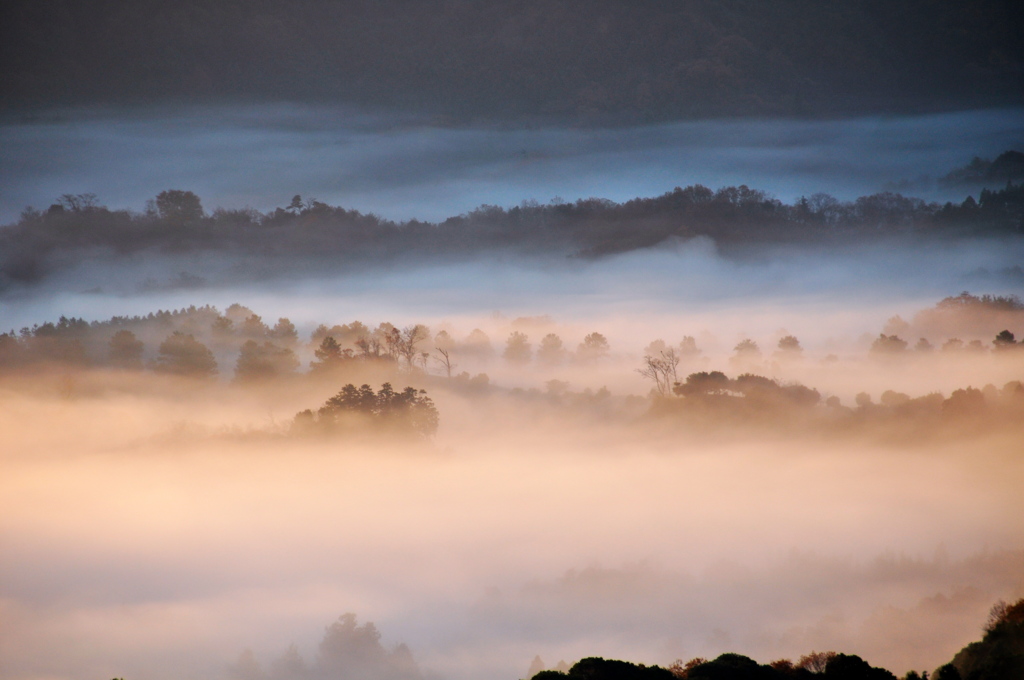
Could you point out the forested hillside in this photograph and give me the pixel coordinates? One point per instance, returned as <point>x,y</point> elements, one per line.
<point>650,60</point>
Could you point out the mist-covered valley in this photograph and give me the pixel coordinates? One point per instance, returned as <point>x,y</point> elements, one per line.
<point>483,341</point>
<point>637,471</point>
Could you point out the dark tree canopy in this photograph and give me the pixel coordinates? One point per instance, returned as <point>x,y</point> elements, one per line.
<point>175,205</point>
<point>361,409</point>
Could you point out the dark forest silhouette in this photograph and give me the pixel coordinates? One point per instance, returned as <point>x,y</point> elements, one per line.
<point>998,656</point>
<point>565,59</point>
<point>77,226</point>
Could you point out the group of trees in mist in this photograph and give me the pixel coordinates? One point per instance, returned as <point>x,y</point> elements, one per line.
<point>348,650</point>
<point>998,656</point>
<point>182,342</point>
<point>711,398</point>
<point>1008,167</point>
<point>566,59</point>
<point>973,314</point>
<point>354,409</point>
<point>198,343</point>
<point>194,342</point>
<point>175,222</point>
<point>950,318</point>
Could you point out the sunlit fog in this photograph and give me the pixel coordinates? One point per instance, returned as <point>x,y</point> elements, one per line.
<point>471,341</point>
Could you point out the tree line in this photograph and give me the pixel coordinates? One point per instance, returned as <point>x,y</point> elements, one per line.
<point>999,655</point>
<point>176,222</point>
<point>188,342</point>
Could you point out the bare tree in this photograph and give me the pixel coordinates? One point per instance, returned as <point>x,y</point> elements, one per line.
<point>407,339</point>
<point>661,370</point>
<point>445,360</point>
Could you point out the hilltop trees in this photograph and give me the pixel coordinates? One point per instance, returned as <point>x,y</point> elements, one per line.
<point>999,654</point>
<point>175,205</point>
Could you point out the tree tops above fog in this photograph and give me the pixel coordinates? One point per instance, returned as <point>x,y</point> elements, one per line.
<point>348,649</point>
<point>203,341</point>
<point>410,411</point>
<point>175,222</point>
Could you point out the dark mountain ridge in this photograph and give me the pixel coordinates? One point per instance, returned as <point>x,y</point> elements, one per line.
<point>604,60</point>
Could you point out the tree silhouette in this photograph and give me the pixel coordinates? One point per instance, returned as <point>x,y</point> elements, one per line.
<point>409,338</point>
<point>661,369</point>
<point>551,351</point>
<point>284,333</point>
<point>517,348</point>
<point>888,345</point>
<point>125,350</point>
<point>178,206</point>
<point>789,348</point>
<point>703,383</point>
<point>408,411</point>
<point>593,347</point>
<point>815,662</point>
<point>253,328</point>
<point>1004,340</point>
<point>329,355</point>
<point>264,361</point>
<point>445,360</point>
<point>478,344</point>
<point>181,354</point>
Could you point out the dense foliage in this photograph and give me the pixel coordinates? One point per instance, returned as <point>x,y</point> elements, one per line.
<point>408,411</point>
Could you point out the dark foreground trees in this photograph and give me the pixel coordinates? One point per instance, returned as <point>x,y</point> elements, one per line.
<point>726,667</point>
<point>1000,653</point>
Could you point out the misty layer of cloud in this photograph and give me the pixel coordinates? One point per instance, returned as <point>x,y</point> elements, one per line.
<point>634,298</point>
<point>168,557</point>
<point>165,524</point>
<point>401,168</point>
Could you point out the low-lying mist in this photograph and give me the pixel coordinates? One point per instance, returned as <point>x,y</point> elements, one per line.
<point>649,448</point>
<point>403,167</point>
<point>164,553</point>
<point>160,526</point>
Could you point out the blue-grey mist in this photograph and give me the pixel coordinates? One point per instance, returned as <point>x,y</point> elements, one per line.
<point>401,167</point>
